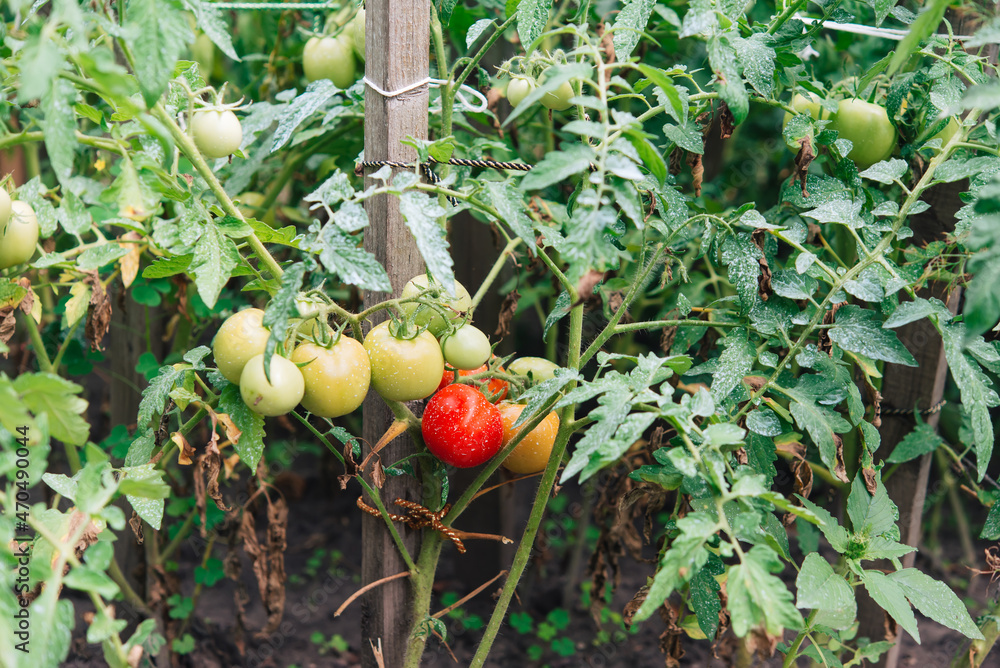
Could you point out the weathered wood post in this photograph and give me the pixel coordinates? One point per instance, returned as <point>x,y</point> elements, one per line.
<point>396,50</point>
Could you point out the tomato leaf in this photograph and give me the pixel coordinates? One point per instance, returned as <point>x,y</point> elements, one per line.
<point>160,33</point>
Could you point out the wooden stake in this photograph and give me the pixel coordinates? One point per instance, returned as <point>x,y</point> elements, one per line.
<point>397,46</point>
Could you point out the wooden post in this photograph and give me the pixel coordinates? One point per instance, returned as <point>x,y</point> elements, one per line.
<point>396,49</point>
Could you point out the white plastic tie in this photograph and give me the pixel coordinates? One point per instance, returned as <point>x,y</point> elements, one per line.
<point>887,33</point>
<point>481,105</point>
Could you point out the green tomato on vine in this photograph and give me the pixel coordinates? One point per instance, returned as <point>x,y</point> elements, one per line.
<point>429,316</point>
<point>466,348</point>
<point>19,233</point>
<point>330,58</point>
<point>217,133</point>
<point>276,396</point>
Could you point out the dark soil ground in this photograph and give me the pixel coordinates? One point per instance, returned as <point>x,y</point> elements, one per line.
<point>323,567</point>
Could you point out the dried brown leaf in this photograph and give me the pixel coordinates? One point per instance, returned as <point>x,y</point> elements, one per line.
<point>727,124</point>
<point>871,480</point>
<point>98,312</point>
<point>697,172</point>
<point>506,316</point>
<point>839,469</point>
<point>803,159</point>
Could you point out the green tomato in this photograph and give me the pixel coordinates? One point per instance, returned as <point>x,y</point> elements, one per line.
<point>535,368</point>
<point>275,397</point>
<point>404,369</point>
<point>241,337</point>
<point>358,34</point>
<point>19,232</point>
<point>428,316</point>
<point>806,104</point>
<point>518,89</point>
<point>867,126</point>
<point>559,99</point>
<point>330,58</point>
<point>466,348</point>
<point>337,378</point>
<point>216,133</point>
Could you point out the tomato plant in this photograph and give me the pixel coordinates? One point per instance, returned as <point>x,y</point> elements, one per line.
<point>771,356</point>
<point>461,427</point>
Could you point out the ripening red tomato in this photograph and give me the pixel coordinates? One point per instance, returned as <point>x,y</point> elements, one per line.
<point>461,427</point>
<point>497,387</point>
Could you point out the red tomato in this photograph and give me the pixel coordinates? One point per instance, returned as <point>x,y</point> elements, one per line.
<point>496,387</point>
<point>461,427</point>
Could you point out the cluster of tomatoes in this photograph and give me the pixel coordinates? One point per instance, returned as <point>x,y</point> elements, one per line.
<point>421,355</point>
<point>521,86</point>
<point>335,58</point>
<point>18,231</point>
<point>865,124</point>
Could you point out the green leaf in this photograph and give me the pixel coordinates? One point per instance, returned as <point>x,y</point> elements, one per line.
<point>282,307</point>
<point>918,309</point>
<point>59,126</point>
<point>978,395</point>
<point>629,26</point>
<point>839,210</point>
<point>99,256</point>
<point>161,33</point>
<point>87,579</point>
<point>165,267</point>
<point>927,22</point>
<point>860,331</point>
<point>741,257</point>
<point>41,62</point>
<point>704,595</point>
<point>421,213</point>
<point>758,598</point>
<point>871,515</point>
<point>991,528</point>
<point>887,172</point>
<point>508,202</point>
<point>141,448</point>
<point>922,440</point>
<point>891,598</point>
<point>476,30</point>
<point>936,600</point>
<point>665,84</point>
<point>313,98</point>
<point>820,588</point>
<point>757,60</point>
<point>145,490</point>
<point>558,166</point>
<point>155,395</point>
<point>837,535</point>
<point>212,23</point>
<point>532,15</point>
<point>681,562</point>
<point>57,399</point>
<point>728,82</point>
<point>250,445</point>
<point>734,363</point>
<point>343,255</point>
<point>215,257</point>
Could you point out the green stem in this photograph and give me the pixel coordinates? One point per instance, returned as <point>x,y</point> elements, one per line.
<point>494,272</point>
<point>44,363</point>
<point>175,543</point>
<point>422,588</point>
<point>793,649</point>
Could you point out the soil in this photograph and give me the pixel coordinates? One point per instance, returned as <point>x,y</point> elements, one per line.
<point>324,521</point>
